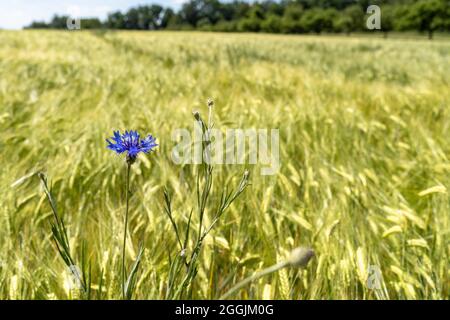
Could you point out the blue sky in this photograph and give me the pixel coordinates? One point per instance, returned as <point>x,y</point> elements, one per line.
<point>15,14</point>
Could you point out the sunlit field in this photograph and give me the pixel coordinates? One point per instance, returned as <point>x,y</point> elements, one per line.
<point>364,173</point>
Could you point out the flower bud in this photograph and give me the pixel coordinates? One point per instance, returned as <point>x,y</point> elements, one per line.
<point>300,257</point>
<point>196,115</point>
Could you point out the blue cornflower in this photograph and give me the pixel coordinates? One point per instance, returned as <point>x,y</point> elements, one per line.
<point>131,143</point>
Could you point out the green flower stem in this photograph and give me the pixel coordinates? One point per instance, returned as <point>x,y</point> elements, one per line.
<point>254,277</point>
<point>125,230</point>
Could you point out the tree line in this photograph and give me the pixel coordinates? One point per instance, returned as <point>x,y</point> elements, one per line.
<point>285,16</point>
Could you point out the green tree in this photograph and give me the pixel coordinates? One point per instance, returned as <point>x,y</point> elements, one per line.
<point>290,22</point>
<point>145,17</point>
<point>272,24</point>
<point>235,10</point>
<point>318,20</point>
<point>226,26</point>
<point>271,7</point>
<point>205,12</point>
<point>285,16</point>
<point>349,20</point>
<point>254,20</point>
<point>38,25</point>
<point>115,20</point>
<point>388,16</point>
<point>251,24</point>
<point>168,18</point>
<point>59,22</point>
<point>91,23</point>
<point>429,16</point>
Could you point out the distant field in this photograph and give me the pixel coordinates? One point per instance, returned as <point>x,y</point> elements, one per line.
<point>364,149</point>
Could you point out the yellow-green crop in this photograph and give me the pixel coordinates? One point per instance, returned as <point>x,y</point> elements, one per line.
<point>364,152</point>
